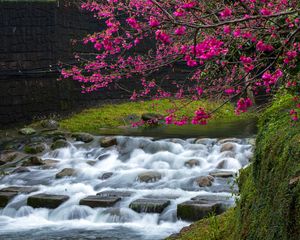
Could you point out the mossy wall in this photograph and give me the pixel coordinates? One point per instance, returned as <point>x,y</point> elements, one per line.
<point>269,206</point>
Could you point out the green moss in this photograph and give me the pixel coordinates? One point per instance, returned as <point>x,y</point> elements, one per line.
<point>211,228</point>
<point>115,115</point>
<point>269,205</point>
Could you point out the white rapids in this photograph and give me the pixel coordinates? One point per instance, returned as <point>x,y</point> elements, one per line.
<point>131,157</point>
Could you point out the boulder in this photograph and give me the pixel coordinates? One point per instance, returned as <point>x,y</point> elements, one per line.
<point>50,124</point>
<point>60,143</point>
<point>149,205</point>
<point>46,200</point>
<point>66,172</point>
<point>227,147</point>
<point>83,137</point>
<point>150,176</point>
<point>108,142</point>
<point>106,175</point>
<point>118,194</point>
<point>206,141</point>
<point>204,181</point>
<point>196,210</point>
<point>99,201</point>
<point>192,163</point>
<point>35,148</point>
<point>5,197</point>
<point>27,131</point>
<point>33,161</point>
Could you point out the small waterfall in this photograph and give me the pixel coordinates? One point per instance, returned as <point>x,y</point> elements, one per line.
<point>142,179</point>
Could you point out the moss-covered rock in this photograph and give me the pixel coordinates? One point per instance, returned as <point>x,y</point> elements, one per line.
<point>35,148</point>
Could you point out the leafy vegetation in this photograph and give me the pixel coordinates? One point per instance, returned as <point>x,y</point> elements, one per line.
<point>269,203</point>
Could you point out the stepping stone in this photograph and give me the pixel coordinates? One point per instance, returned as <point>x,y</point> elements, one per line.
<point>5,197</point>
<point>99,201</point>
<point>46,200</point>
<point>222,174</point>
<point>19,189</point>
<point>196,210</point>
<point>149,205</point>
<point>117,194</point>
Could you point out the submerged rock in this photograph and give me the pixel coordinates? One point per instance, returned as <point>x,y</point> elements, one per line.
<point>106,175</point>
<point>196,210</point>
<point>108,142</point>
<point>27,131</point>
<point>20,189</point>
<point>192,163</point>
<point>66,172</point>
<point>83,137</point>
<point>119,194</point>
<point>60,143</point>
<point>204,181</point>
<point>46,200</point>
<point>149,205</point>
<point>150,176</point>
<point>99,201</point>
<point>21,170</point>
<point>49,163</point>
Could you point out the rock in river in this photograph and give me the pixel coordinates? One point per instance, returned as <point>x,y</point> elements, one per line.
<point>66,172</point>
<point>149,205</point>
<point>46,200</point>
<point>99,201</point>
<point>108,141</point>
<point>83,137</point>
<point>150,176</point>
<point>204,181</point>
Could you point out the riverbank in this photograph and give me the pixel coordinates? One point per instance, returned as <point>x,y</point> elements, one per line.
<point>124,114</point>
<point>269,188</point>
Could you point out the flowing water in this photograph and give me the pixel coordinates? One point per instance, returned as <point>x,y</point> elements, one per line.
<point>131,157</point>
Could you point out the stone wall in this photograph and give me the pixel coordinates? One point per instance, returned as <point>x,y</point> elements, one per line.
<point>35,35</point>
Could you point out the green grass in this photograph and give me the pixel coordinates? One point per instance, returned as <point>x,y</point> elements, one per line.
<point>116,115</point>
<point>213,228</point>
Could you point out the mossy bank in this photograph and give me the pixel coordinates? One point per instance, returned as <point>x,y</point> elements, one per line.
<point>269,203</point>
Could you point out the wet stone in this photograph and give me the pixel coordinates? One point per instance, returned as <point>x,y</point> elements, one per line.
<point>227,147</point>
<point>196,210</point>
<point>106,175</point>
<point>148,177</point>
<point>149,205</point>
<point>99,201</point>
<point>204,181</point>
<point>118,194</point>
<point>34,148</point>
<point>21,170</point>
<point>108,142</point>
<point>222,174</point>
<point>83,137</point>
<point>5,197</point>
<point>50,124</point>
<point>103,156</point>
<point>32,161</point>
<point>91,162</point>
<point>60,143</point>
<point>50,163</point>
<point>192,163</point>
<point>7,156</point>
<point>66,172</point>
<point>230,140</point>
<point>46,200</point>
<point>20,189</point>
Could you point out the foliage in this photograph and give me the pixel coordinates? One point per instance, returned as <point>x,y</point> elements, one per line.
<point>230,48</point>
